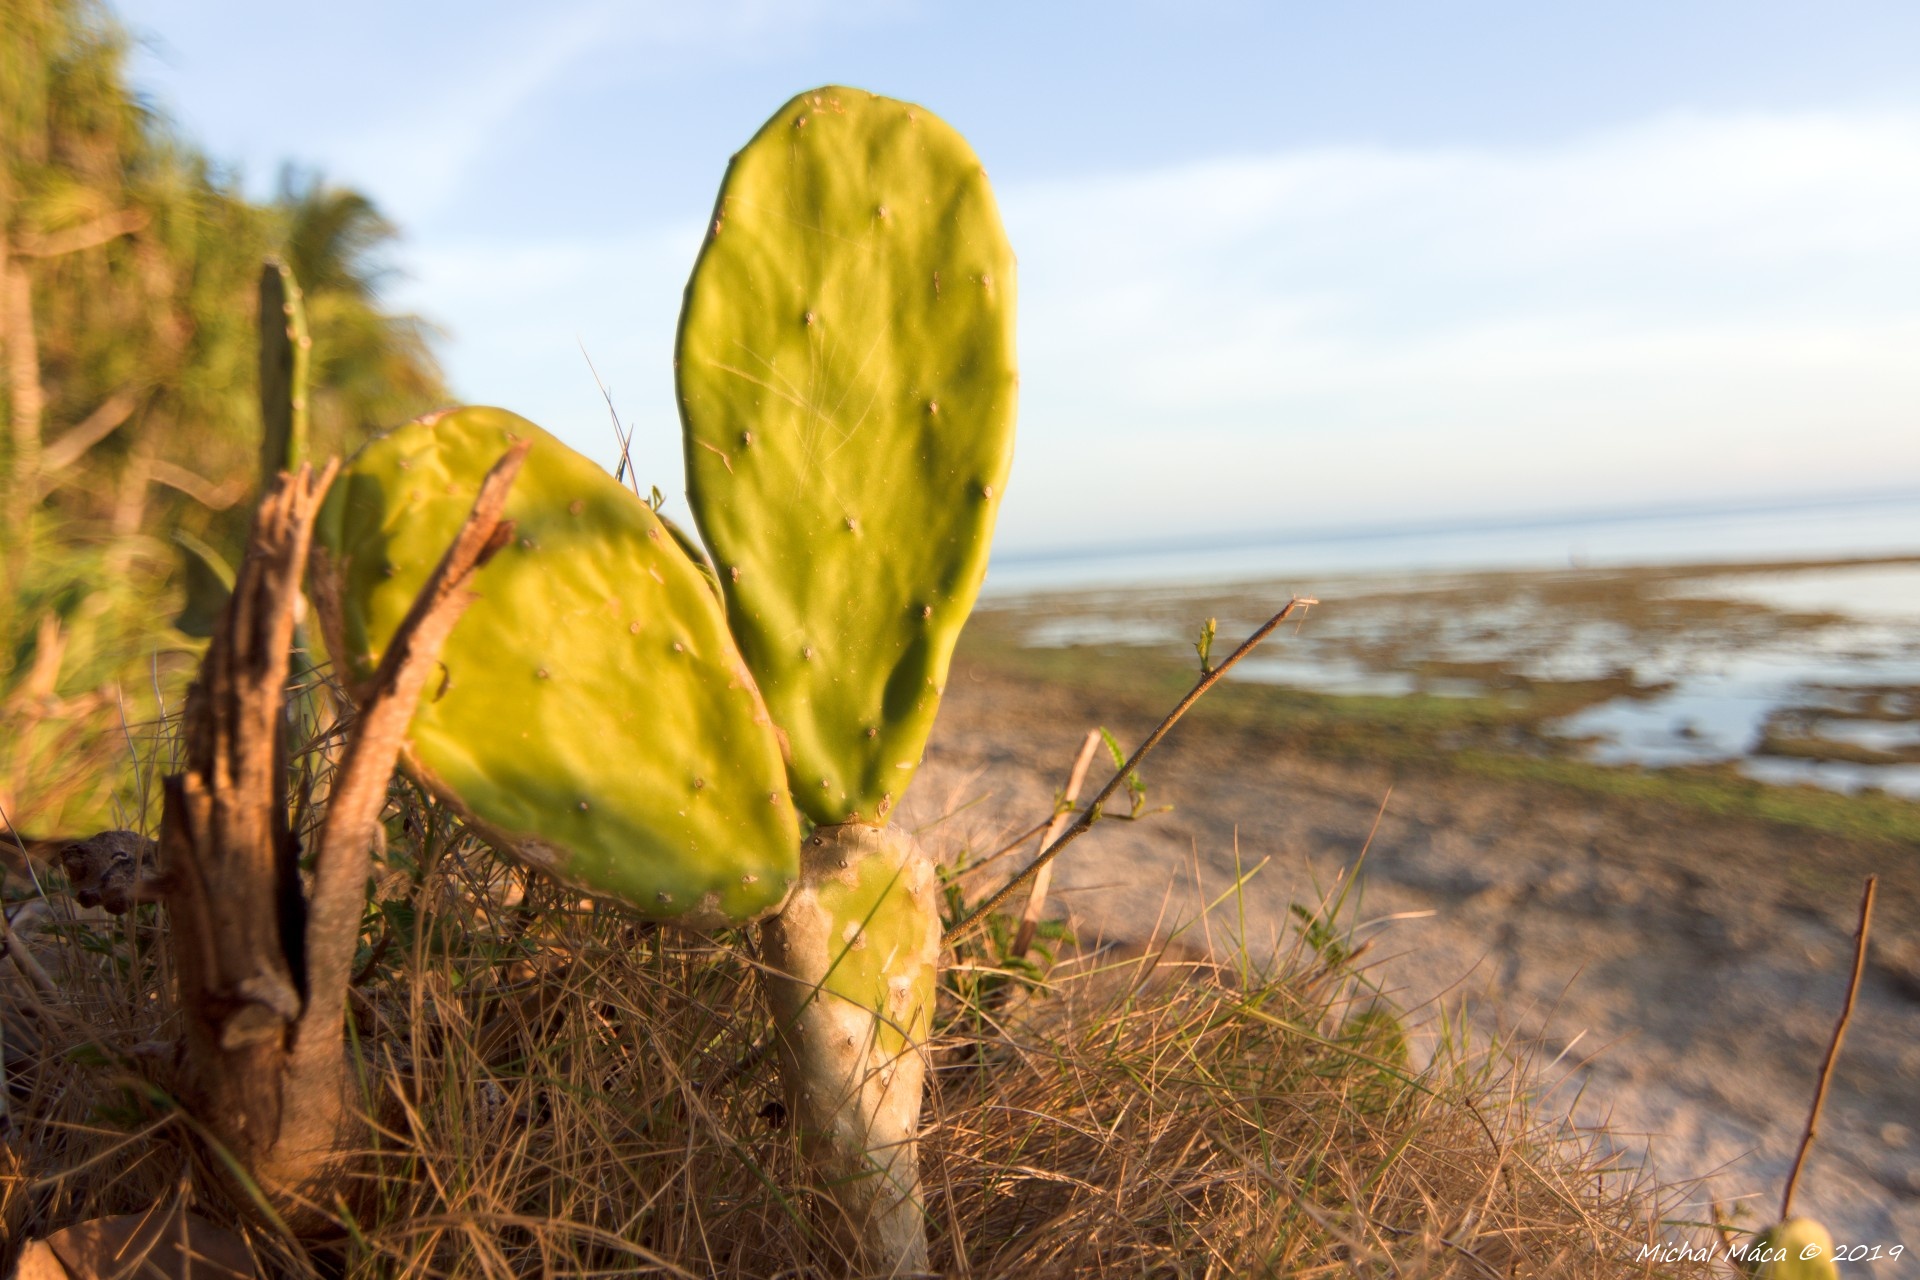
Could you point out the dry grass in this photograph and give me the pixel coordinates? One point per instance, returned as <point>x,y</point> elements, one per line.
<point>555,1090</point>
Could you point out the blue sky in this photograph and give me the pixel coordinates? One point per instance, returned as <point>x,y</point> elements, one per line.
<point>1282,264</point>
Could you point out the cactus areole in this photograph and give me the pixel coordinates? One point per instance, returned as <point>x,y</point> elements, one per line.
<point>594,717</point>
<point>846,377</point>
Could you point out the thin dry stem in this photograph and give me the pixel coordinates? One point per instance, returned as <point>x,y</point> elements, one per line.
<point>1833,1046</point>
<point>360,791</point>
<point>1037,897</point>
<point>1091,814</point>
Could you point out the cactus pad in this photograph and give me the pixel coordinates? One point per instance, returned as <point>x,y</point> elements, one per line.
<point>846,376</point>
<point>594,718</point>
<point>286,352</point>
<point>1797,1249</point>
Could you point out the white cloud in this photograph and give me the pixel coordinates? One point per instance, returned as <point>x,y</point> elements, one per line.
<point>1690,307</point>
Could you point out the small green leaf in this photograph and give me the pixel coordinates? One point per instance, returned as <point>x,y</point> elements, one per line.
<point>1136,785</point>
<point>1204,645</point>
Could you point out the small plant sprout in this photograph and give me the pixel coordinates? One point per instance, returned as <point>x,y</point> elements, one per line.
<point>1204,645</point>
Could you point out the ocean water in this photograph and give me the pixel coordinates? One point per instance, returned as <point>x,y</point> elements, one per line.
<point>1883,525</point>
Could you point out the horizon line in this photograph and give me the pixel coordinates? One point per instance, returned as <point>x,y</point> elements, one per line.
<point>1308,535</point>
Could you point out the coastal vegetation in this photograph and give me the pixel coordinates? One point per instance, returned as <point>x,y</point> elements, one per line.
<point>320,1016</point>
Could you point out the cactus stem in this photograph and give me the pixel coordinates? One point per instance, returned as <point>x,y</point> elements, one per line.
<point>855,951</point>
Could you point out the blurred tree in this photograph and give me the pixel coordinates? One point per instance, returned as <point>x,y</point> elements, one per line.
<point>128,371</point>
<point>371,368</point>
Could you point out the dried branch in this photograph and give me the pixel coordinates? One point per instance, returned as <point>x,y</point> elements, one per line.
<point>360,788</point>
<point>88,235</point>
<point>1037,899</point>
<point>1091,814</point>
<point>228,859</point>
<point>90,430</point>
<point>214,497</point>
<point>1833,1048</point>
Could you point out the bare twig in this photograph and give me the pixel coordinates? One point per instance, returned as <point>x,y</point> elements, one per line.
<point>91,430</point>
<point>1091,814</point>
<point>1037,898</point>
<point>1833,1048</point>
<point>90,235</point>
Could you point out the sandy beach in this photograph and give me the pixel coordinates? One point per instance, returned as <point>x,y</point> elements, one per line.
<point>1679,969</point>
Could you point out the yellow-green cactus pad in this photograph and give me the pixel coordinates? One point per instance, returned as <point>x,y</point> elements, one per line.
<point>594,717</point>
<point>1797,1249</point>
<point>847,382</point>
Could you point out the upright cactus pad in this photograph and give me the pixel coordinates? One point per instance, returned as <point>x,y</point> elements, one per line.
<point>846,377</point>
<point>286,351</point>
<point>594,718</point>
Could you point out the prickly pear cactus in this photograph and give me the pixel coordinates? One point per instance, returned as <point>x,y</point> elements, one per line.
<point>594,717</point>
<point>286,351</point>
<point>846,377</point>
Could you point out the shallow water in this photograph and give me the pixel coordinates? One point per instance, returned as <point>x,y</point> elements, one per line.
<point>1876,591</point>
<point>1822,659</point>
<point>1832,680</point>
